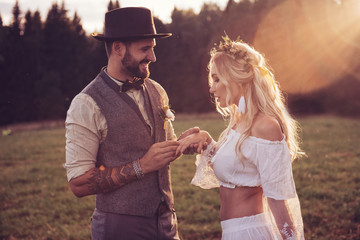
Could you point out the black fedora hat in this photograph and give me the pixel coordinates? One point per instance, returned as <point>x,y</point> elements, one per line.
<point>129,23</point>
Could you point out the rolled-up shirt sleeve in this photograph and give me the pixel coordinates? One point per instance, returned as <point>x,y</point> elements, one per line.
<point>85,130</point>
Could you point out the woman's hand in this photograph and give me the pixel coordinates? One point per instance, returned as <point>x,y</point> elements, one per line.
<point>201,139</point>
<point>189,132</point>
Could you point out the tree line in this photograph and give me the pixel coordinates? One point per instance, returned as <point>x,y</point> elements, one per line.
<point>44,64</point>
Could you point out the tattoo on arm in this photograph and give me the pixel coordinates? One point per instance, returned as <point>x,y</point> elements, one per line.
<point>104,179</point>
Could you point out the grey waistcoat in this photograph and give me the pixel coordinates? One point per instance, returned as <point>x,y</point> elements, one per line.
<point>129,138</point>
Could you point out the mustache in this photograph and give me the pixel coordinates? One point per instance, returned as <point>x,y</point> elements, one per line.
<point>145,61</point>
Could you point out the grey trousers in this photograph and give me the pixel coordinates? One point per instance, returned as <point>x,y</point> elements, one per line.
<point>110,226</point>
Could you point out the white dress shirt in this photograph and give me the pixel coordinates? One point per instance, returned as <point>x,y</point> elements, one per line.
<point>86,128</point>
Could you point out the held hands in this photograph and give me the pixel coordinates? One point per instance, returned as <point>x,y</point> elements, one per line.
<point>159,155</point>
<point>193,147</point>
<point>196,141</point>
<point>189,132</point>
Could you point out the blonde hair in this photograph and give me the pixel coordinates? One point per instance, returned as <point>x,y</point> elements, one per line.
<point>240,66</point>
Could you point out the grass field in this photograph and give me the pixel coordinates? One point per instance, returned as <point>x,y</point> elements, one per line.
<point>36,202</point>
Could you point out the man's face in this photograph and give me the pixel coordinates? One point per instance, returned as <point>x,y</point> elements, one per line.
<point>138,56</point>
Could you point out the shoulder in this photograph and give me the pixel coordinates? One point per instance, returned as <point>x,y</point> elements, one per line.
<point>266,127</point>
<point>82,99</point>
<point>84,112</point>
<point>82,105</point>
<point>93,84</point>
<point>159,89</point>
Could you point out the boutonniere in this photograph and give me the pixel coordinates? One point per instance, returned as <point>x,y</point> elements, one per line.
<point>166,114</point>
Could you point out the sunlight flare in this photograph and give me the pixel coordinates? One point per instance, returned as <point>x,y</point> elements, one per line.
<point>311,45</point>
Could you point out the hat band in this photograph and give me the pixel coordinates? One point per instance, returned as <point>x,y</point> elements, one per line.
<point>129,32</point>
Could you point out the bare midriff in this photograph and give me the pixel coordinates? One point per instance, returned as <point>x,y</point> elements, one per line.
<point>240,202</point>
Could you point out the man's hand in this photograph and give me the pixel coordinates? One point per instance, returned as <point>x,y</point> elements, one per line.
<point>159,155</point>
<point>193,148</point>
<point>105,179</point>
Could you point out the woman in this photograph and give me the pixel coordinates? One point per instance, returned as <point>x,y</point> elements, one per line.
<point>251,162</point>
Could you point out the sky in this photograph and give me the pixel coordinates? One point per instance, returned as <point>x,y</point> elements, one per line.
<point>92,12</point>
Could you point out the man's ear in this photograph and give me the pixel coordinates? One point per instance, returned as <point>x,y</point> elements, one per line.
<point>118,48</point>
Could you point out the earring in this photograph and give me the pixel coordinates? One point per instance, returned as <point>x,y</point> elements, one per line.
<point>242,105</point>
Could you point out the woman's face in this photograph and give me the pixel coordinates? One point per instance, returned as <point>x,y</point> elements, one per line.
<point>218,88</point>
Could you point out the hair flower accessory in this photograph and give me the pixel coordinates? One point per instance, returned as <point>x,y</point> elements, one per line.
<point>233,49</point>
<point>166,114</point>
<point>227,46</point>
<point>266,74</point>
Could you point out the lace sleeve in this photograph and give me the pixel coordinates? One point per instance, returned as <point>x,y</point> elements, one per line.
<point>204,176</point>
<point>281,200</point>
<point>286,218</point>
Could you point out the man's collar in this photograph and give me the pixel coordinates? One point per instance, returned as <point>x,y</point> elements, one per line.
<point>118,82</point>
<point>126,84</point>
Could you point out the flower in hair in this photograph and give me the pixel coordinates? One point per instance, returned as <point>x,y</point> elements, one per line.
<point>266,74</point>
<point>227,46</point>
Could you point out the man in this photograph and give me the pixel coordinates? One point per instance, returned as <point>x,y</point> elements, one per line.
<point>117,144</point>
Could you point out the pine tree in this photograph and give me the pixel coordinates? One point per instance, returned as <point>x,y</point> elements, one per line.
<point>117,4</point>
<point>57,64</point>
<point>229,5</point>
<point>37,24</point>
<point>76,25</point>
<point>110,6</point>
<point>15,28</point>
<point>28,24</point>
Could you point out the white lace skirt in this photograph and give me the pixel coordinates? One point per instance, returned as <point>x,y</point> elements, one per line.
<point>254,227</point>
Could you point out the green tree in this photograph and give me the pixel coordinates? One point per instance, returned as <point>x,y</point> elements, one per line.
<point>15,26</point>
<point>117,4</point>
<point>15,95</point>
<point>30,63</point>
<point>180,59</point>
<point>5,80</point>
<point>112,5</point>
<point>63,55</point>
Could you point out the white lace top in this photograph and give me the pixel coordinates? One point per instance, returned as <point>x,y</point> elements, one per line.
<point>268,164</point>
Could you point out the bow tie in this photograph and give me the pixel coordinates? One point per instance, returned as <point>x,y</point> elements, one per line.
<point>130,85</point>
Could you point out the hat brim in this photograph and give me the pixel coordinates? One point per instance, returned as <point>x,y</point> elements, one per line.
<point>101,37</point>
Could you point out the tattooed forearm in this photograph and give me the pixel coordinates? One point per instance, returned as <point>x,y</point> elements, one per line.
<point>107,179</point>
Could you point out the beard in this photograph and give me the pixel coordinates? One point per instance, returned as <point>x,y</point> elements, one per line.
<point>132,66</point>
